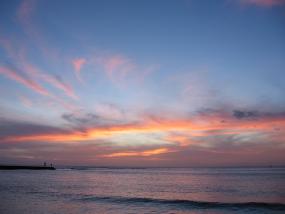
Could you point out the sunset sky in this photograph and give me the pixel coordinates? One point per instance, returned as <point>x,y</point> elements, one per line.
<point>142,83</point>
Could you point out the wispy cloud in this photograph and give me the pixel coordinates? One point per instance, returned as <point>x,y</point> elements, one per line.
<point>25,9</point>
<point>54,80</point>
<point>78,63</point>
<point>57,82</point>
<point>26,101</point>
<point>121,69</point>
<point>264,3</point>
<point>19,56</point>
<point>9,47</point>
<point>13,75</point>
<point>110,111</point>
<point>25,14</point>
<point>115,66</point>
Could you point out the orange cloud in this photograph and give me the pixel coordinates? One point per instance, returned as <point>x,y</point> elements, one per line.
<point>182,140</point>
<point>135,153</point>
<point>188,127</point>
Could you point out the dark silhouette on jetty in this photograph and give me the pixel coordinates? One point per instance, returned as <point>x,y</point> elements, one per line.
<point>15,167</point>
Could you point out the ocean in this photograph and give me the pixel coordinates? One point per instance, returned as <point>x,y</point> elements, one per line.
<point>149,190</point>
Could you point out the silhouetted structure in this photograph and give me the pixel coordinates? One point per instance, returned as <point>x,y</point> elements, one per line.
<point>15,167</point>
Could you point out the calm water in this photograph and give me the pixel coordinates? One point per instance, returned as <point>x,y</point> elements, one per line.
<point>143,191</point>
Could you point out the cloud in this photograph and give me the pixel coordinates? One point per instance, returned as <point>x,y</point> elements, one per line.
<point>19,58</point>
<point>145,153</point>
<point>121,69</point>
<point>78,63</point>
<point>264,3</point>
<point>245,114</point>
<point>93,154</point>
<point>259,115</point>
<point>85,121</point>
<point>110,111</point>
<point>185,140</point>
<point>25,9</point>
<point>8,46</point>
<point>16,76</point>
<point>25,101</point>
<point>25,13</point>
<point>196,126</point>
<point>115,66</point>
<point>57,82</point>
<point>81,119</point>
<point>217,133</point>
<point>15,128</point>
<point>54,80</point>
<point>182,139</point>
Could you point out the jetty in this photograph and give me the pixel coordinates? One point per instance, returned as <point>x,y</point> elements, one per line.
<point>15,167</point>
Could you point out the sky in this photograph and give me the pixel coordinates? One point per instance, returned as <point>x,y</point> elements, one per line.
<point>156,83</point>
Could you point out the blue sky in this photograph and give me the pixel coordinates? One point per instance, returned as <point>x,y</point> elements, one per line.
<point>142,80</point>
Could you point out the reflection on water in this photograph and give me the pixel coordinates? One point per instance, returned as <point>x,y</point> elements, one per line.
<point>143,191</point>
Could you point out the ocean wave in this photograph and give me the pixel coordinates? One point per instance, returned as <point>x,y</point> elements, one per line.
<point>187,203</point>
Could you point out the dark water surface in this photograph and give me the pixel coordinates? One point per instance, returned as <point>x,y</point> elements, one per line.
<point>227,190</point>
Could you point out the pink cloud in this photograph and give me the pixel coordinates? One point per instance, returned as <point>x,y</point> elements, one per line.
<point>114,62</point>
<point>58,83</point>
<point>25,9</point>
<point>120,69</point>
<point>7,45</point>
<point>264,3</point>
<point>117,66</point>
<point>13,75</point>
<point>25,14</point>
<point>41,75</point>
<point>19,56</point>
<point>77,65</point>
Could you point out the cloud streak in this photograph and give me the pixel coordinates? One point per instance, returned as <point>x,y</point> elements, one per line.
<point>78,63</point>
<point>13,75</point>
<point>54,80</point>
<point>264,3</point>
<point>33,71</point>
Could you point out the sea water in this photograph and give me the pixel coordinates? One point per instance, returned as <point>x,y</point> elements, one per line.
<point>149,190</point>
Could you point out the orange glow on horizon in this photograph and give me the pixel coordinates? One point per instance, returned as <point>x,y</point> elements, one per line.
<point>203,128</point>
<point>143,153</point>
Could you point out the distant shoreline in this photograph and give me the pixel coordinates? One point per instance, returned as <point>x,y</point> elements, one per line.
<point>16,167</point>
